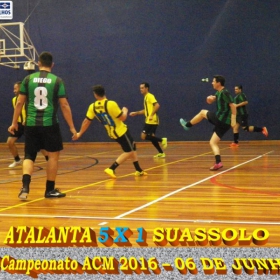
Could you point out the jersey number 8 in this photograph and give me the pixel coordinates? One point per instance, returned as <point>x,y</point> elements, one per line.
<point>40,100</point>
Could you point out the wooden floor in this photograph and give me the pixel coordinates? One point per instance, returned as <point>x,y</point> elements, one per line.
<point>179,191</point>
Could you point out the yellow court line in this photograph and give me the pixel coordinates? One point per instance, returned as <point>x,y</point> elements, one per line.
<point>169,163</point>
<point>65,159</point>
<point>38,199</point>
<point>99,182</point>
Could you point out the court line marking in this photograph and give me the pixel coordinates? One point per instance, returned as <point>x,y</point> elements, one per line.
<point>189,186</point>
<point>99,182</point>
<point>61,158</point>
<point>138,219</point>
<point>120,217</point>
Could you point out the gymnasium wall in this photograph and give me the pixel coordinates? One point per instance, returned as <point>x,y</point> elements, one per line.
<point>172,44</point>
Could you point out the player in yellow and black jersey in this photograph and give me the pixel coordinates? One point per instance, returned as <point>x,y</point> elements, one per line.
<point>14,137</point>
<point>18,133</point>
<point>112,117</point>
<point>151,107</point>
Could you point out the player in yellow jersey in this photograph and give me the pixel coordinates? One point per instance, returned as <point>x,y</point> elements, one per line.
<point>14,137</point>
<point>151,107</point>
<point>112,117</point>
<point>18,133</point>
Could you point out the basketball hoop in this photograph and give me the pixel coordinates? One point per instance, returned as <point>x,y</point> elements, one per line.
<point>16,46</point>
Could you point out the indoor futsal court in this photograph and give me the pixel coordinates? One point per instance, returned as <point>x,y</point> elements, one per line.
<point>179,190</point>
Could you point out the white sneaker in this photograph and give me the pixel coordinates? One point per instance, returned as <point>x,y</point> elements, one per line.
<point>15,163</point>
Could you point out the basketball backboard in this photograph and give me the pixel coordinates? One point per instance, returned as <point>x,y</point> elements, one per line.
<point>16,46</point>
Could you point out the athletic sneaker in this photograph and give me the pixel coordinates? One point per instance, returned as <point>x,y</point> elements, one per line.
<point>216,166</point>
<point>54,194</point>
<point>160,155</point>
<point>234,145</point>
<point>15,163</point>
<point>142,173</point>
<point>110,172</point>
<point>183,124</point>
<point>164,143</point>
<point>264,131</point>
<point>23,193</point>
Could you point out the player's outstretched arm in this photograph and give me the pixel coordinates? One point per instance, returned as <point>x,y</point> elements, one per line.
<point>85,125</point>
<point>244,103</point>
<point>133,114</point>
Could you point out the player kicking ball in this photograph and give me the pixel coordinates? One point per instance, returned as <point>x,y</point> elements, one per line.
<point>223,119</point>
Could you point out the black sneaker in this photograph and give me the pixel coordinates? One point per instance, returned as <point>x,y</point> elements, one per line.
<point>54,194</point>
<point>23,193</point>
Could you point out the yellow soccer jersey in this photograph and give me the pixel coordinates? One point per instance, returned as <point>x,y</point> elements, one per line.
<point>149,101</point>
<point>108,113</point>
<point>22,116</point>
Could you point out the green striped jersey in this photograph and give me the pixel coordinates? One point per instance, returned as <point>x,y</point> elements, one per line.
<point>43,90</point>
<point>223,99</point>
<point>239,98</point>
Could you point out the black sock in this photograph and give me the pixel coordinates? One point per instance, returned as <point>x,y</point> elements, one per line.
<point>137,166</point>
<point>218,158</point>
<point>17,158</point>
<point>114,165</point>
<point>188,124</point>
<point>257,129</point>
<point>155,141</point>
<point>26,179</point>
<point>153,138</point>
<point>236,137</point>
<point>157,146</point>
<point>50,185</point>
<point>47,158</point>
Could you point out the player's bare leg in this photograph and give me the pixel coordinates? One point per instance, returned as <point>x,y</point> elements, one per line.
<point>196,119</point>
<point>52,167</point>
<point>215,139</point>
<point>14,151</point>
<point>27,170</point>
<point>199,117</point>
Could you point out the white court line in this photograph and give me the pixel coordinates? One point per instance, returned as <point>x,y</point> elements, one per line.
<point>189,186</point>
<point>139,219</point>
<point>120,217</point>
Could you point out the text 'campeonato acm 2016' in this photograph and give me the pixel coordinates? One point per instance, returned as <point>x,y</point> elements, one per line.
<point>76,236</point>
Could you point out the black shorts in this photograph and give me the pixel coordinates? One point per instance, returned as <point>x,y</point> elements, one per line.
<point>19,132</point>
<point>42,137</point>
<point>220,127</point>
<point>150,129</point>
<point>242,120</point>
<point>127,143</point>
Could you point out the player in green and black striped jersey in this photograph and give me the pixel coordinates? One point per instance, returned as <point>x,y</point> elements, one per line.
<point>42,92</point>
<point>223,119</point>
<point>242,117</point>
